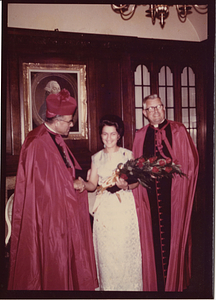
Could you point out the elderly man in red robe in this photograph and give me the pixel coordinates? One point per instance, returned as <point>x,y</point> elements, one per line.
<point>51,241</point>
<point>164,210</point>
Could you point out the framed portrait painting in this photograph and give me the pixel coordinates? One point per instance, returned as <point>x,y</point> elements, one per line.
<point>39,80</point>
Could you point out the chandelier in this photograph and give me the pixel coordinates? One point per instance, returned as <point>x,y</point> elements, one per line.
<point>158,11</point>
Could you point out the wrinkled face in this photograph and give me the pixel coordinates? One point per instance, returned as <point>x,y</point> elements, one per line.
<point>156,114</point>
<point>110,136</point>
<point>63,125</point>
<point>55,88</point>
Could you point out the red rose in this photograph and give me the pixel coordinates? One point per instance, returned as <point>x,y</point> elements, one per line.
<point>140,162</point>
<point>168,169</point>
<point>140,165</point>
<point>152,159</point>
<point>142,159</point>
<point>168,160</point>
<point>155,170</point>
<point>162,162</point>
<point>124,176</point>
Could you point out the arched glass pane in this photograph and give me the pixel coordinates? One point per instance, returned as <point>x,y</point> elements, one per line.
<point>169,76</point>
<point>161,76</point>
<point>142,89</point>
<point>188,94</point>
<point>170,114</point>
<point>166,91</point>
<point>185,119</point>
<point>170,100</point>
<point>184,77</point>
<point>192,96</point>
<point>184,97</point>
<point>146,76</point>
<point>138,96</point>
<point>137,76</point>
<point>146,91</point>
<point>193,121</point>
<point>162,94</point>
<point>191,77</point>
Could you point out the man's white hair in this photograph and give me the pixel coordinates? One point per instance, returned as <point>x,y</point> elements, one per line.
<point>49,85</point>
<point>150,97</point>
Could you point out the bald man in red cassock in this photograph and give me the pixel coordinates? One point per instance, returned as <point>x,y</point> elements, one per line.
<point>51,241</point>
<point>164,210</point>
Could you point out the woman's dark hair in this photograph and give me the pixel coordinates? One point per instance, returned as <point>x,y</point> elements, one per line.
<point>112,120</point>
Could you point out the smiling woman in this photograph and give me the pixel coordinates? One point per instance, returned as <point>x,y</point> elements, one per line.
<point>110,138</point>
<point>115,229</point>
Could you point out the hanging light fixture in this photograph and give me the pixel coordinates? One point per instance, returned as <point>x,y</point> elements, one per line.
<point>158,11</point>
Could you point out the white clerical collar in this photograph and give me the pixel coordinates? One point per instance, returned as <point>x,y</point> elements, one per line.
<point>156,125</point>
<point>50,128</point>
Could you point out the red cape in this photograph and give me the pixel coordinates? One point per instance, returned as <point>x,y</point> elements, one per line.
<point>51,241</point>
<point>182,195</point>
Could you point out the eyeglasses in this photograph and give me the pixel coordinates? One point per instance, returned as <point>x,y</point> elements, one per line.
<point>69,122</point>
<point>152,108</point>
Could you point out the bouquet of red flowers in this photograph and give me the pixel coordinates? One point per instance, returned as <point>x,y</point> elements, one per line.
<point>143,170</point>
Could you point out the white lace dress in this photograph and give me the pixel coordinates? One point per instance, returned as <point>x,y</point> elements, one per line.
<point>115,231</point>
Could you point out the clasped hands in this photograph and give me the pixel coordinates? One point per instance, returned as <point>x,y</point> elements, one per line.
<point>80,184</point>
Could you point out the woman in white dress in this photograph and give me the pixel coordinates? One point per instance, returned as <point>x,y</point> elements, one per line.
<point>115,229</point>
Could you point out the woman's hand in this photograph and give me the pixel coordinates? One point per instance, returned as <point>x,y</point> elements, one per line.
<point>122,184</point>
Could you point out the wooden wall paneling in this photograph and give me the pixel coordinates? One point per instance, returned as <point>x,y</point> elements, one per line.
<point>101,104</point>
<point>114,86</point>
<point>208,61</point>
<point>92,104</point>
<point>81,152</point>
<point>108,89</point>
<point>154,70</point>
<point>128,100</point>
<point>201,98</point>
<point>14,97</point>
<point>8,116</point>
<point>199,213</point>
<point>205,187</point>
<point>177,92</point>
<point>11,164</point>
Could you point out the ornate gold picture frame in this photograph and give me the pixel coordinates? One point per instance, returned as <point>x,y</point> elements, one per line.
<point>36,81</point>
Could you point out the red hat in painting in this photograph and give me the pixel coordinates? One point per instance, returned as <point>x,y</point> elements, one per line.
<point>60,104</point>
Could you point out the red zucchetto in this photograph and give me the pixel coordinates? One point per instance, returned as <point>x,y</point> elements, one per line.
<point>60,104</point>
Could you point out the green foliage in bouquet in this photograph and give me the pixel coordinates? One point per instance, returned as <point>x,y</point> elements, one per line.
<point>144,170</point>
